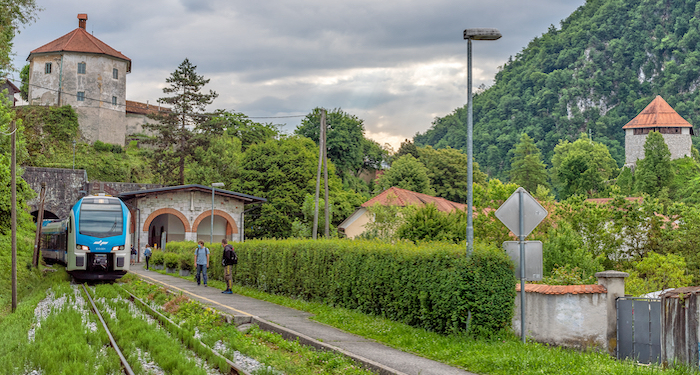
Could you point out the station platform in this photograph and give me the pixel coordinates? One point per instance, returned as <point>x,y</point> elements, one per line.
<point>294,324</point>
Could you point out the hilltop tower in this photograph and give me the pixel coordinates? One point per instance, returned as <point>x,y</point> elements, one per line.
<point>80,70</point>
<point>657,116</point>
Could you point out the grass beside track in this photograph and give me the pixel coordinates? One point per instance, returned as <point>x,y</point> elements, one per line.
<point>504,355</point>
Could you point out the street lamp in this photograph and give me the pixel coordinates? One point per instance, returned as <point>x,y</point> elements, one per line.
<point>469,35</point>
<point>211,230</point>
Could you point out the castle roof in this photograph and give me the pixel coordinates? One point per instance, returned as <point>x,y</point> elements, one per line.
<point>81,41</point>
<point>395,196</point>
<point>658,114</point>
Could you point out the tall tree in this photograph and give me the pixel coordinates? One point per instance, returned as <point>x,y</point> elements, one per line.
<point>527,168</point>
<point>447,171</point>
<point>582,167</point>
<point>176,129</point>
<point>347,146</point>
<point>407,173</point>
<point>13,14</point>
<point>654,172</point>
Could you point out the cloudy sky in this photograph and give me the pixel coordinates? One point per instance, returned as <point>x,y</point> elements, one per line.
<point>396,64</point>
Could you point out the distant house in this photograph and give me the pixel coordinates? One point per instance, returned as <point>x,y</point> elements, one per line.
<point>6,84</point>
<point>657,116</point>
<point>354,225</point>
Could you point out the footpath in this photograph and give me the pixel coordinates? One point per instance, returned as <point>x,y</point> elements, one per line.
<point>294,324</point>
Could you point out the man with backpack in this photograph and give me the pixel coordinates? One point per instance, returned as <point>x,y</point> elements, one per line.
<point>201,259</point>
<point>147,254</point>
<point>229,258</point>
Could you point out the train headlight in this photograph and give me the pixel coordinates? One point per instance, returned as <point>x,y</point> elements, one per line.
<point>82,247</point>
<point>117,248</point>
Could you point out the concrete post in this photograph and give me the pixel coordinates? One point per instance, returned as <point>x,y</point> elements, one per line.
<point>614,282</point>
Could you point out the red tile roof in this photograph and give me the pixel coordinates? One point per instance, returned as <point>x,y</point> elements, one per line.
<point>81,41</point>
<point>562,289</point>
<point>608,200</point>
<point>658,114</point>
<point>401,197</point>
<point>144,108</point>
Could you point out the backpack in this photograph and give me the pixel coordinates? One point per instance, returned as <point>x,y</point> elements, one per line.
<point>230,256</point>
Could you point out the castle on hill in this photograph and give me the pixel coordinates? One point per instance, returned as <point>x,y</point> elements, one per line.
<point>80,70</point>
<point>657,116</point>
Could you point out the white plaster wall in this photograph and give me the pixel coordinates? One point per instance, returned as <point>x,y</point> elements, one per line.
<point>570,320</point>
<point>99,119</point>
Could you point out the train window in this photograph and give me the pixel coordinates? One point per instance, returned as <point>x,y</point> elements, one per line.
<point>101,219</point>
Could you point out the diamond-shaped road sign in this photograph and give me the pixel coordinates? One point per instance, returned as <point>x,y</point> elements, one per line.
<point>509,212</point>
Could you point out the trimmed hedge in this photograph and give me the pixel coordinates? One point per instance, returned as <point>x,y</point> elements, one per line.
<point>430,285</point>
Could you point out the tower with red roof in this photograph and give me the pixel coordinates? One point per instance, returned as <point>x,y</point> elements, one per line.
<point>80,70</point>
<point>657,116</point>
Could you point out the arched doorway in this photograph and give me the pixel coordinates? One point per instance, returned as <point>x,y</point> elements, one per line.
<point>224,226</point>
<point>169,224</point>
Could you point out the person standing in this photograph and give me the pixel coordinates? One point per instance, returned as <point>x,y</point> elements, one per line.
<point>133,255</point>
<point>201,259</point>
<point>228,259</point>
<point>147,254</point>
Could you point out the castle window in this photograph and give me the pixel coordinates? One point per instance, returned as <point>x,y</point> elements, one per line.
<point>115,73</point>
<point>81,68</point>
<point>47,68</point>
<point>114,100</point>
<point>81,96</point>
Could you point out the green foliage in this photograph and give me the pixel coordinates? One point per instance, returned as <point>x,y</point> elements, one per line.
<point>429,224</point>
<point>107,147</point>
<point>654,172</point>
<point>527,168</point>
<point>180,131</point>
<point>171,260</point>
<point>447,171</point>
<point>157,257</point>
<point>372,277</point>
<point>386,220</point>
<point>568,275</point>
<point>15,13</point>
<point>347,146</point>
<point>657,272</point>
<point>24,87</point>
<point>595,72</point>
<point>186,262</point>
<point>583,167</point>
<point>407,173</point>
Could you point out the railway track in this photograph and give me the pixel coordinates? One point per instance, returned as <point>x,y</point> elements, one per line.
<point>170,326</point>
<point>122,359</point>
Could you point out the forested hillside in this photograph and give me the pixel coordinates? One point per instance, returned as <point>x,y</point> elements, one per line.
<point>605,63</point>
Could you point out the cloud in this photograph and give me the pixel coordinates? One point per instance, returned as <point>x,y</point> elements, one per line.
<point>397,64</point>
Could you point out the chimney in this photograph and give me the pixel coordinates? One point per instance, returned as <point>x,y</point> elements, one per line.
<point>82,20</point>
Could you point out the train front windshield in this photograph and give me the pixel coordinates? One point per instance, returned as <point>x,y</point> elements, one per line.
<point>101,218</point>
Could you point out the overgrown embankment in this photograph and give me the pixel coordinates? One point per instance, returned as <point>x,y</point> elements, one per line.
<point>433,286</point>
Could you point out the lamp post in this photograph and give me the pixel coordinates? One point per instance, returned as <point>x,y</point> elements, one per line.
<point>469,35</point>
<point>211,232</point>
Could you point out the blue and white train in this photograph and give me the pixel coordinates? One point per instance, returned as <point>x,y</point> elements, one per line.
<point>94,242</point>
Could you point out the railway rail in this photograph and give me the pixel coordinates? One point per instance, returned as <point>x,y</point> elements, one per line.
<point>169,325</point>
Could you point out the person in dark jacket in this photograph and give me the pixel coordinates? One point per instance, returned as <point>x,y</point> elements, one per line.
<point>228,259</point>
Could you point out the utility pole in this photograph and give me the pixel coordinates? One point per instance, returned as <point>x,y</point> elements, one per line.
<point>321,147</point>
<point>39,220</point>
<point>13,212</point>
<point>325,172</point>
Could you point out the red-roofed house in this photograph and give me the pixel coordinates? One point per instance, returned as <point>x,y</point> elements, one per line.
<point>657,116</point>
<point>354,225</point>
<point>80,70</point>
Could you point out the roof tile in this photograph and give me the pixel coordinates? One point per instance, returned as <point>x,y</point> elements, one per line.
<point>562,289</point>
<point>402,197</point>
<point>658,114</point>
<point>80,40</point>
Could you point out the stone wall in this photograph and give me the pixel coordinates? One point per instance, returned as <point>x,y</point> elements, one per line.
<point>63,188</point>
<point>678,144</point>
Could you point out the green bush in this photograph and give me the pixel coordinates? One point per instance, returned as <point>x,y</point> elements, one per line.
<point>433,285</point>
<point>157,258</point>
<point>186,262</point>
<point>171,260</point>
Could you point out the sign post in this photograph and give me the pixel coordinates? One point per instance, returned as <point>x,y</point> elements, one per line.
<point>521,213</point>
